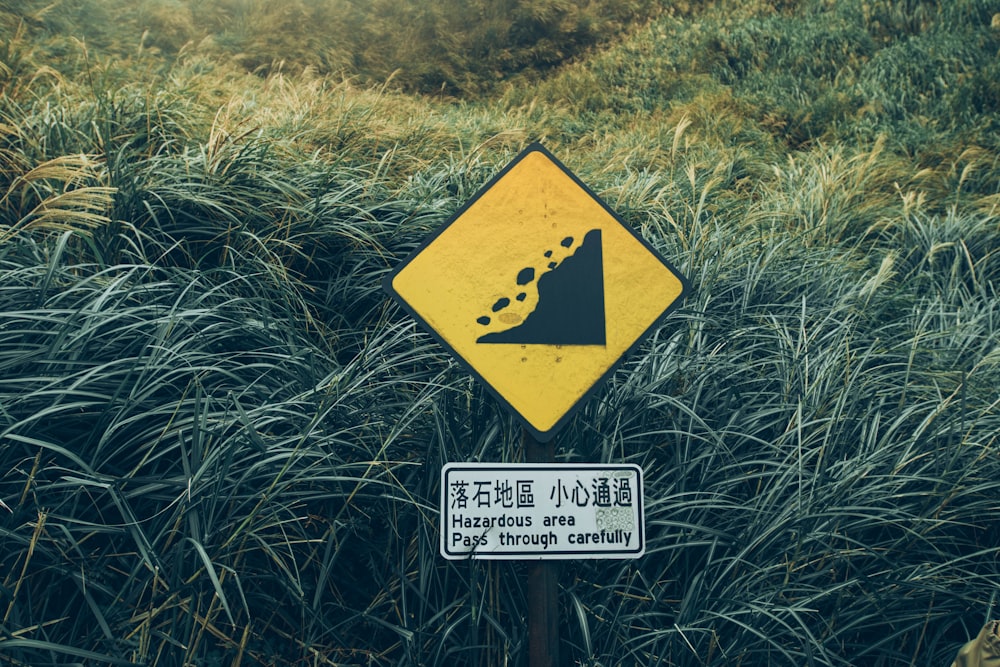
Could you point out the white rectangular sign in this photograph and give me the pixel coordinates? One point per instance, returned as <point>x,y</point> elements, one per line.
<point>526,511</point>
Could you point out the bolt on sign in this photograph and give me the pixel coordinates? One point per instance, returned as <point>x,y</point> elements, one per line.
<point>541,511</point>
<point>538,288</point>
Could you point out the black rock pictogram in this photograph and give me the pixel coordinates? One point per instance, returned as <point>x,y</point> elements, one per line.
<point>570,308</point>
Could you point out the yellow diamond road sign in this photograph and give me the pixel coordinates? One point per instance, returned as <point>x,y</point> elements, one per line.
<point>538,287</point>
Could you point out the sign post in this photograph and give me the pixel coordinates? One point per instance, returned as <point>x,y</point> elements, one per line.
<point>540,290</point>
<point>543,580</point>
<point>541,511</point>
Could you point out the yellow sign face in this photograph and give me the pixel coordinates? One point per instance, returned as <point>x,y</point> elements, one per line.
<point>538,287</point>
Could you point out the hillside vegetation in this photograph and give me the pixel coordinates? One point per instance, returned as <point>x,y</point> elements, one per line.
<point>220,444</point>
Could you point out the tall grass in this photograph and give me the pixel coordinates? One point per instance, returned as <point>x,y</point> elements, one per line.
<point>820,463</point>
<point>219,445</point>
<point>187,466</point>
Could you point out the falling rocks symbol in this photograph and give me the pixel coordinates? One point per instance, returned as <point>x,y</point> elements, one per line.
<point>570,308</point>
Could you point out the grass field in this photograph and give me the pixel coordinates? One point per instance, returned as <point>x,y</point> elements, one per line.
<point>220,443</point>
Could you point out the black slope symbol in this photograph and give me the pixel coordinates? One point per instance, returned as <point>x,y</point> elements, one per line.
<point>570,308</point>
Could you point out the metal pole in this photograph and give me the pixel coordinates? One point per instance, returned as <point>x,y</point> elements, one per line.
<point>543,582</point>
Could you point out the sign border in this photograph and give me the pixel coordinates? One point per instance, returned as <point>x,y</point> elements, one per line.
<point>541,436</point>
<point>563,554</point>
